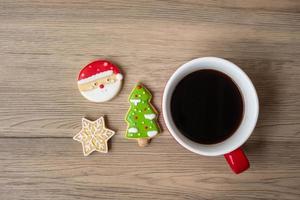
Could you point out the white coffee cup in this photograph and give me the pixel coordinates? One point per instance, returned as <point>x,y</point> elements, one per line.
<point>230,148</point>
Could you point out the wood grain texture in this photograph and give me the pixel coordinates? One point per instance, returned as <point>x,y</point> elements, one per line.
<point>43,45</point>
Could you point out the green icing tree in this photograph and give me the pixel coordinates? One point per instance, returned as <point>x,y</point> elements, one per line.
<point>141,116</point>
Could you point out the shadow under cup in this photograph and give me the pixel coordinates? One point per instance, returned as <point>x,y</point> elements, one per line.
<point>249,98</point>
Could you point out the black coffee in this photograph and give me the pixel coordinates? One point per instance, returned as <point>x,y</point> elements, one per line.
<point>207,106</point>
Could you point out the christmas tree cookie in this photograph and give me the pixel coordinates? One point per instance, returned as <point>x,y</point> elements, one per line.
<point>141,116</point>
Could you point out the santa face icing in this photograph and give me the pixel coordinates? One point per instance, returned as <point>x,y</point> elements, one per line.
<point>99,81</point>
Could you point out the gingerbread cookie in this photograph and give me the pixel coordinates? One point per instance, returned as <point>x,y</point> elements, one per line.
<point>141,116</point>
<point>99,81</point>
<point>94,136</point>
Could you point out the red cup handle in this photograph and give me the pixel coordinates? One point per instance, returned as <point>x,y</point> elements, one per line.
<point>237,160</point>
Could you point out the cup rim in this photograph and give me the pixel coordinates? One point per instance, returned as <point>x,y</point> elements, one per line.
<point>250,98</point>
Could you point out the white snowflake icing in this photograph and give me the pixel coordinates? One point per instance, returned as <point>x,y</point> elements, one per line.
<point>149,116</point>
<point>135,101</point>
<point>132,130</point>
<point>152,133</point>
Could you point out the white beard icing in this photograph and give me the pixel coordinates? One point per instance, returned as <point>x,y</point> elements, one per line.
<point>103,94</point>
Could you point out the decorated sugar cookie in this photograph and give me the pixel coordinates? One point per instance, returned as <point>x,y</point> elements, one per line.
<point>94,136</point>
<point>99,81</point>
<point>141,116</point>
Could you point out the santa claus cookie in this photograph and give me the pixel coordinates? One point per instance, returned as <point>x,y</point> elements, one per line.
<point>99,81</point>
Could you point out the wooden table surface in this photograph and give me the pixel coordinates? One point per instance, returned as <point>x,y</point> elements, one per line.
<point>44,44</point>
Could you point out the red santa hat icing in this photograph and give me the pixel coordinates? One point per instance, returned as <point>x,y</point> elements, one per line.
<point>98,69</point>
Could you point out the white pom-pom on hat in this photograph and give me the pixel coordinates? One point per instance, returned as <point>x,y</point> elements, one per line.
<point>119,76</point>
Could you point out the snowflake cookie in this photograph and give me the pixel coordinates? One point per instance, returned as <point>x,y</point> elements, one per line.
<point>94,136</point>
